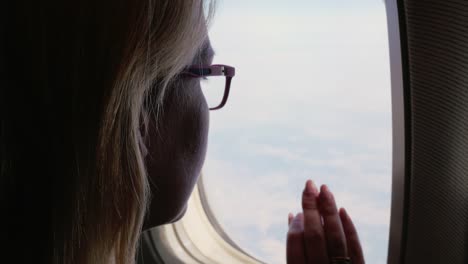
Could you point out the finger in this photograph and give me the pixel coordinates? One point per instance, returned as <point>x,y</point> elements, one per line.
<point>352,238</point>
<point>314,236</point>
<point>290,218</point>
<point>335,236</point>
<point>295,241</point>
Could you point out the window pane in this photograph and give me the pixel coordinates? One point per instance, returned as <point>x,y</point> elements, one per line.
<point>311,99</point>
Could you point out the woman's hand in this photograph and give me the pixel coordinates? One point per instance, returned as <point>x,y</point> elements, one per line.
<point>321,233</point>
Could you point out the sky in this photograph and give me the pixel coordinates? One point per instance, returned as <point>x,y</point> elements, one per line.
<point>310,100</point>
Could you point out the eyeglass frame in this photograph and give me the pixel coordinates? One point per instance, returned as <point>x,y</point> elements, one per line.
<point>214,70</point>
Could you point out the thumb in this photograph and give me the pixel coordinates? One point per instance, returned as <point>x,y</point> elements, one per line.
<point>295,242</point>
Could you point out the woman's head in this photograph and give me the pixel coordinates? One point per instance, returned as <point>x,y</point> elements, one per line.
<point>82,80</point>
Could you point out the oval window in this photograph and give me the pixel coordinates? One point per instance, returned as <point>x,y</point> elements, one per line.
<point>311,99</point>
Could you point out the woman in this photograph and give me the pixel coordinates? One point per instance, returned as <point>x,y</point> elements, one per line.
<point>103,133</point>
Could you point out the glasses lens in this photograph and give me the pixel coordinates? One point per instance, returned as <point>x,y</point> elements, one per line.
<point>213,89</point>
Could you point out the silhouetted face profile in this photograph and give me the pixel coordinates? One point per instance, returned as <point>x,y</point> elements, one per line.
<point>177,148</point>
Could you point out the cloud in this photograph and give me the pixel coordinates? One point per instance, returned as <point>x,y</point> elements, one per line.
<point>273,250</point>
<point>253,206</point>
<point>263,200</point>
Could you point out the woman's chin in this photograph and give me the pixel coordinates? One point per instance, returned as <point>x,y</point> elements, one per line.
<point>180,215</point>
<point>164,219</point>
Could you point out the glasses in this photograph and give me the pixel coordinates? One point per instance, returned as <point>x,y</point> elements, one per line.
<point>216,97</point>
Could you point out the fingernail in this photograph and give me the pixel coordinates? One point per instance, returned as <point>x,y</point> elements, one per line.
<point>310,187</point>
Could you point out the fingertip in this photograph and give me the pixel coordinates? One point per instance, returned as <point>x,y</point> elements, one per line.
<point>344,213</point>
<point>326,194</point>
<point>310,187</point>
<point>323,192</point>
<point>324,188</point>
<point>297,223</point>
<point>346,220</point>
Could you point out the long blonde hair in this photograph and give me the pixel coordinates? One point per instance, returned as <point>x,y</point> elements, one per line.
<point>85,70</point>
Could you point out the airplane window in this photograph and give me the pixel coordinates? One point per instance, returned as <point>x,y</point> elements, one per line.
<point>311,99</point>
